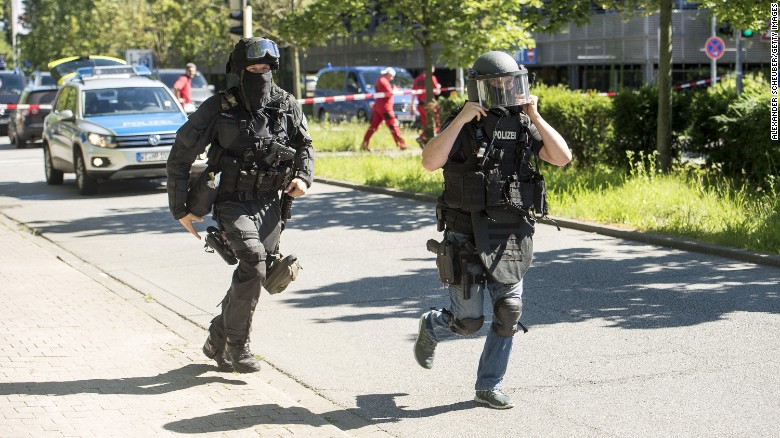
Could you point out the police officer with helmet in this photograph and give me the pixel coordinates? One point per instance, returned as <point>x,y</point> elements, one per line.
<point>493,194</point>
<point>260,152</point>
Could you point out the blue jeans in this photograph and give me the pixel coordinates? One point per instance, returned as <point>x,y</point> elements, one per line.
<point>495,354</point>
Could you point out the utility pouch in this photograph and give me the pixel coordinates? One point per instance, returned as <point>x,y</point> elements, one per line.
<point>540,196</point>
<point>528,194</point>
<point>281,272</point>
<point>494,189</point>
<point>246,180</point>
<point>230,167</point>
<point>203,194</point>
<point>453,188</point>
<point>216,242</point>
<point>439,217</point>
<point>514,193</point>
<point>473,191</point>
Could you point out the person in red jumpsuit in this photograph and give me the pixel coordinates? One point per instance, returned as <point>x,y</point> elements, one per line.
<point>383,110</point>
<point>419,84</point>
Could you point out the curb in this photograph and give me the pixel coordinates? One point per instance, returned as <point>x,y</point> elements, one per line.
<point>759,258</point>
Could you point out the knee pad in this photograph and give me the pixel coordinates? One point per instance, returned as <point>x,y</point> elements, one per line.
<point>506,315</point>
<point>466,326</point>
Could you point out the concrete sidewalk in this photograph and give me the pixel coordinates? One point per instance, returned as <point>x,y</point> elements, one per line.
<point>83,355</point>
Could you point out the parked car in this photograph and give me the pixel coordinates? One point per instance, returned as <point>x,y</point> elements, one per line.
<point>64,69</point>
<point>111,124</point>
<point>40,78</point>
<point>11,85</point>
<point>337,81</point>
<point>201,89</point>
<point>26,125</point>
<point>309,83</point>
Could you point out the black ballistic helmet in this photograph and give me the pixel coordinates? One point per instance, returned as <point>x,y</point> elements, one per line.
<point>495,80</point>
<point>249,51</point>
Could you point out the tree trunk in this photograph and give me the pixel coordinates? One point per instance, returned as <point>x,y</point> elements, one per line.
<point>430,120</point>
<point>664,130</point>
<point>296,73</point>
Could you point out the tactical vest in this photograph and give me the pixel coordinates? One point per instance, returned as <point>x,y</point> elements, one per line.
<point>252,150</point>
<point>492,194</point>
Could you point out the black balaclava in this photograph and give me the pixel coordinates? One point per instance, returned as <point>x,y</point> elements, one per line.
<point>255,88</point>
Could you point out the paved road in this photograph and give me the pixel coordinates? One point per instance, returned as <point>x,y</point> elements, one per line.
<point>626,339</point>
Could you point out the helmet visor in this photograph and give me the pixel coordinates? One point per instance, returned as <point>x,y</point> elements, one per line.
<point>503,90</point>
<point>260,49</point>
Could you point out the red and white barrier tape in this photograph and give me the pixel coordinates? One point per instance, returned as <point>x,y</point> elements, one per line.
<point>14,106</point>
<point>701,82</point>
<point>362,96</point>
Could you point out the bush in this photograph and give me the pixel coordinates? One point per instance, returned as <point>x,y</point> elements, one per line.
<point>635,118</point>
<point>447,105</point>
<point>582,119</point>
<point>747,151</point>
<point>710,103</point>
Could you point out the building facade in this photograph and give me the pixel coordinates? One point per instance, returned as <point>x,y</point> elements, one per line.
<point>606,54</point>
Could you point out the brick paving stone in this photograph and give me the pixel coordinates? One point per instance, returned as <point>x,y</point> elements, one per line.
<point>92,363</point>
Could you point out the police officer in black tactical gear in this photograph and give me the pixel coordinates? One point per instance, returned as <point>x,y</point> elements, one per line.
<point>260,148</point>
<point>492,197</point>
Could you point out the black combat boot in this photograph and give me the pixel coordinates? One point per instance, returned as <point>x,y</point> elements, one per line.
<point>218,354</point>
<point>242,360</point>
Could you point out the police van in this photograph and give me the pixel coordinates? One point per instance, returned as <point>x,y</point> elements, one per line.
<point>339,81</point>
<point>110,123</point>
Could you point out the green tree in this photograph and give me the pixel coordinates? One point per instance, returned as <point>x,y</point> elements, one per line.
<point>195,30</point>
<point>268,17</point>
<point>742,14</point>
<point>463,29</point>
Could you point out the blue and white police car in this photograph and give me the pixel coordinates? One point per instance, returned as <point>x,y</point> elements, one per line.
<point>109,123</point>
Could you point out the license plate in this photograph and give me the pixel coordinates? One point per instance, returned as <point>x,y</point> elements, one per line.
<point>144,157</point>
<point>405,118</point>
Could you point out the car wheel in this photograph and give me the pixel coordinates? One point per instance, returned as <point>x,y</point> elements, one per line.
<point>362,116</point>
<point>86,184</point>
<point>53,176</point>
<point>12,137</point>
<point>21,142</point>
<point>322,115</point>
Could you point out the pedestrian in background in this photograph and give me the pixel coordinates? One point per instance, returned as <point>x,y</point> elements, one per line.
<point>419,84</point>
<point>183,86</point>
<point>383,110</point>
<point>260,147</point>
<point>488,210</point>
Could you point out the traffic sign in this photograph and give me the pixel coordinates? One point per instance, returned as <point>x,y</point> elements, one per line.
<point>714,47</point>
<point>525,56</point>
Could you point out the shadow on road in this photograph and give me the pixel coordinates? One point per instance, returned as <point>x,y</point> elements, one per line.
<point>174,380</point>
<point>360,210</point>
<point>246,417</point>
<point>634,291</point>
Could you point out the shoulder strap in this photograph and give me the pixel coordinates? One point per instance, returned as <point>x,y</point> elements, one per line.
<point>229,100</point>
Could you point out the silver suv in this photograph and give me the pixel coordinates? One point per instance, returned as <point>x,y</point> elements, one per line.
<point>111,123</point>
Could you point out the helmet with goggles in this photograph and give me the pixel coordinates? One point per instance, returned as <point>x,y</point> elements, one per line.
<point>496,80</point>
<point>250,51</point>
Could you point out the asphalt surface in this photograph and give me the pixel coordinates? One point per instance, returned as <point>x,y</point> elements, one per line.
<point>626,338</point>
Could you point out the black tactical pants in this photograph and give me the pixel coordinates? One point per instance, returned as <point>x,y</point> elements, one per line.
<point>253,229</point>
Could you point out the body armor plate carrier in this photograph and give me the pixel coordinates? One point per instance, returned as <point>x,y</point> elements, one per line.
<point>501,190</point>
